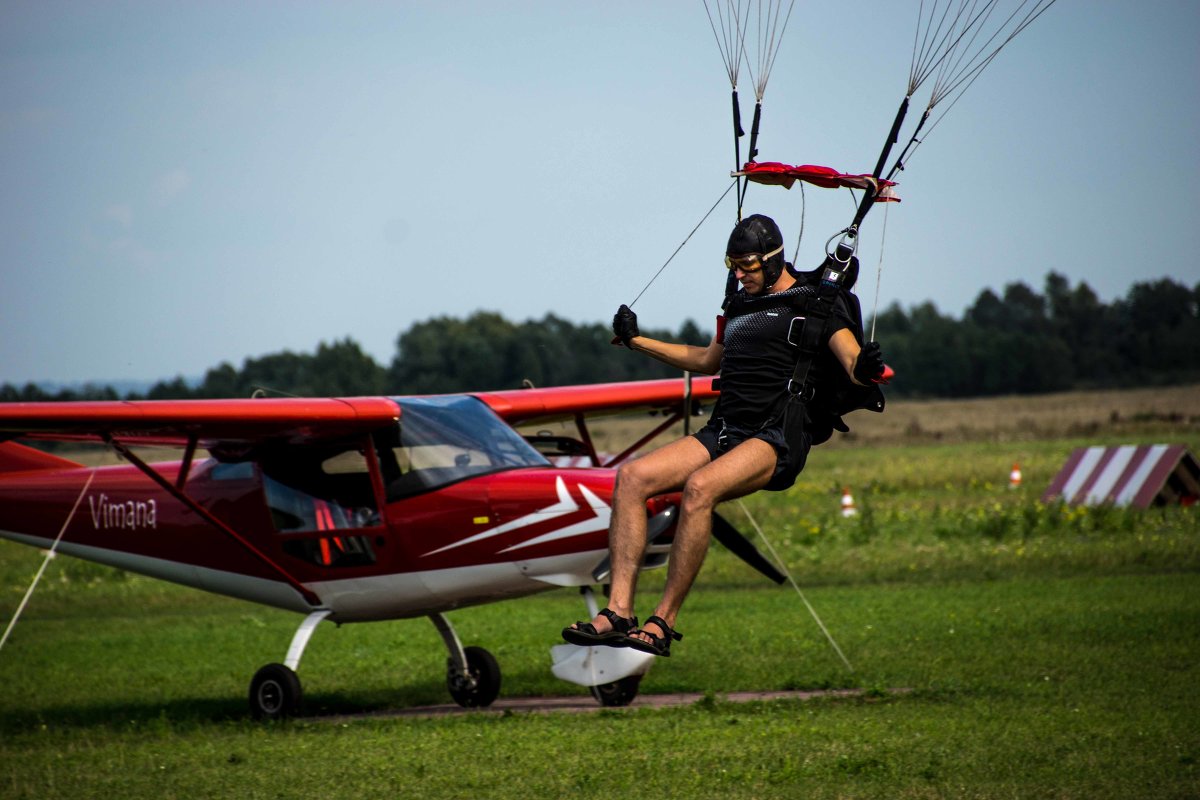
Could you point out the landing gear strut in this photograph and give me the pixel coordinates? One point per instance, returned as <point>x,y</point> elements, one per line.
<point>275,692</point>
<point>472,674</point>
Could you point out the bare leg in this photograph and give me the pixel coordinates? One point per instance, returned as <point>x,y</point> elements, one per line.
<point>745,469</point>
<point>663,470</point>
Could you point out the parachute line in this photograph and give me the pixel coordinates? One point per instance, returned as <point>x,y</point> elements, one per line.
<point>800,236</point>
<point>971,69</point>
<point>940,41</point>
<point>956,44</point>
<point>731,40</point>
<point>952,63</point>
<point>770,35</point>
<point>779,561</point>
<point>879,274</point>
<point>959,71</point>
<point>730,24</point>
<point>685,241</point>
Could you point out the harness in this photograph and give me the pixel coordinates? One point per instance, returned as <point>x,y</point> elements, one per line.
<point>839,395</point>
<point>813,312</point>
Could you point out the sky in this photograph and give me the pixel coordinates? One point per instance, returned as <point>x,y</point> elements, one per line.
<point>189,183</point>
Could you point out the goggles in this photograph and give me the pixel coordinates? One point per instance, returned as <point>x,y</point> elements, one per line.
<point>747,263</point>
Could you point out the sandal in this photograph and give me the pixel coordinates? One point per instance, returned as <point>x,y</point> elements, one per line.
<point>658,645</point>
<point>585,634</point>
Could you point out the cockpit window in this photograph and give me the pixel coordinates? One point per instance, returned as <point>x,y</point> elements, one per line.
<point>328,491</point>
<point>311,491</point>
<point>448,439</point>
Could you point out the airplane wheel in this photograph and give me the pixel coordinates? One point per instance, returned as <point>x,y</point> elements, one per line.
<point>617,693</point>
<point>275,693</point>
<point>483,687</point>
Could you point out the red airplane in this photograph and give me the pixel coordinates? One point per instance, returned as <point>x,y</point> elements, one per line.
<point>353,509</point>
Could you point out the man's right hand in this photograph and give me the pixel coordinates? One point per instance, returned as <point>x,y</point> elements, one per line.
<point>625,324</point>
<point>869,364</point>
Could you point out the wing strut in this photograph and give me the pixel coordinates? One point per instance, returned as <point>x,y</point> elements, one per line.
<point>207,516</point>
<point>633,448</point>
<point>185,468</point>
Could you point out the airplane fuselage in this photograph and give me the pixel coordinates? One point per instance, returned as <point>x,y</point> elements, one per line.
<point>505,534</point>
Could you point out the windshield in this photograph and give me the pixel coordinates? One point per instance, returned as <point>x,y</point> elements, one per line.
<point>449,439</point>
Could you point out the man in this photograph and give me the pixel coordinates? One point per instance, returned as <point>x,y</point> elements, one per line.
<point>756,438</point>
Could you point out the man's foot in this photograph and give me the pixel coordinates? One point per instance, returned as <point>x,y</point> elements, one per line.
<point>607,629</point>
<point>655,638</point>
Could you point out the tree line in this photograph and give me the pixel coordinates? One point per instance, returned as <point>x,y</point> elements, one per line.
<point>1013,342</point>
<point>1022,342</point>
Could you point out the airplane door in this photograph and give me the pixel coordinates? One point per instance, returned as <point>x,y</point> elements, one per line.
<point>325,507</point>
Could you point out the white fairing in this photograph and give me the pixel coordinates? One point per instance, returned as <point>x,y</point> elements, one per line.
<point>596,666</point>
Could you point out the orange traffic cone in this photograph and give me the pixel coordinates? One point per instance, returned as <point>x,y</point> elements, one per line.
<point>1014,477</point>
<point>848,507</point>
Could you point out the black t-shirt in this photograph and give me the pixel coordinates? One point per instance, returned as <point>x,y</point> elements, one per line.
<point>759,361</point>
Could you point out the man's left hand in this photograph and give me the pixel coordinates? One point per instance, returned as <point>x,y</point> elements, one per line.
<point>869,364</point>
<point>625,324</point>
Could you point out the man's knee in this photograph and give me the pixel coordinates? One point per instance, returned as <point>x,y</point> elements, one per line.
<point>700,493</point>
<point>633,480</point>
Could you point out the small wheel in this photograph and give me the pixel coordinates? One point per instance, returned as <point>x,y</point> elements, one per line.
<point>481,685</point>
<point>617,693</point>
<point>275,693</point>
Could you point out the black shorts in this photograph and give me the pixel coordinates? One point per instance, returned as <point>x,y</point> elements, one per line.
<point>785,431</point>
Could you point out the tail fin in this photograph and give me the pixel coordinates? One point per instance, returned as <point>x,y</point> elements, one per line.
<point>20,458</point>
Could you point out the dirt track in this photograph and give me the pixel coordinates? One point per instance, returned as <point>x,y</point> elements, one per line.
<point>585,704</point>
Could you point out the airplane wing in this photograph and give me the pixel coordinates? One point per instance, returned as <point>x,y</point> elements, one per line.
<point>565,402</point>
<point>174,422</point>
<point>233,422</point>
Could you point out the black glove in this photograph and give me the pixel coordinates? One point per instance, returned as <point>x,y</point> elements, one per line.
<point>625,324</point>
<point>869,364</point>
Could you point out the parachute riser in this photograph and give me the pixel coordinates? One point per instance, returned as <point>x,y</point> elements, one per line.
<point>754,132</point>
<point>753,153</point>
<point>738,133</point>
<point>893,137</point>
<point>913,140</point>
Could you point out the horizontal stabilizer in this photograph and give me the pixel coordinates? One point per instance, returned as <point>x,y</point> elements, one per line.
<point>19,458</point>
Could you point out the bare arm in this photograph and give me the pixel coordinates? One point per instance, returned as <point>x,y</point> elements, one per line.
<point>704,360</point>
<point>845,348</point>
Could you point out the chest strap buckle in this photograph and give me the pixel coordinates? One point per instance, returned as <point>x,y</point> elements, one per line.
<point>805,393</point>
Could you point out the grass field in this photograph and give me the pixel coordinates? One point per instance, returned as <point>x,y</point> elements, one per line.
<point>1050,652</point>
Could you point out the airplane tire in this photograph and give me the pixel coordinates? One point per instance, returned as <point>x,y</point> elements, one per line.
<point>617,693</point>
<point>275,693</point>
<point>485,671</point>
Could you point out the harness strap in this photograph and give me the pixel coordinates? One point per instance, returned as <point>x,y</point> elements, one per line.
<point>818,310</point>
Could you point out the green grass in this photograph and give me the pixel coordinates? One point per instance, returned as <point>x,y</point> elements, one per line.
<point>1050,652</point>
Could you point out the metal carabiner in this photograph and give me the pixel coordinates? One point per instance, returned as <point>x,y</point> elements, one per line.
<point>849,242</point>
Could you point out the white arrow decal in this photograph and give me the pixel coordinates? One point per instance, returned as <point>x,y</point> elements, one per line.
<point>599,522</point>
<point>565,505</point>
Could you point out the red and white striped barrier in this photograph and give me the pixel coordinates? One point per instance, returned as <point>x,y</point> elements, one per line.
<point>1128,475</point>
